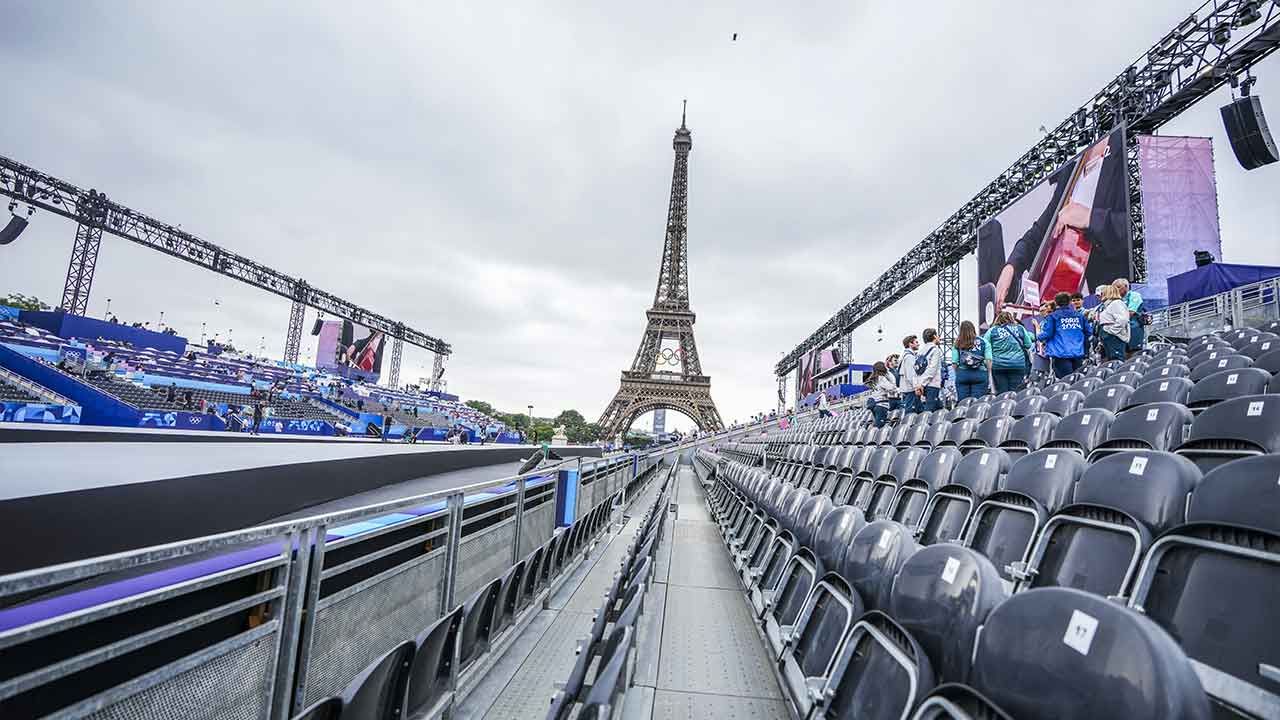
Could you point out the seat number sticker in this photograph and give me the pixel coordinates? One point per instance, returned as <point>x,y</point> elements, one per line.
<point>1035,422</point>
<point>1164,386</point>
<point>1231,379</point>
<point>1138,466</point>
<point>949,570</point>
<point>1050,461</point>
<point>1111,392</point>
<point>1255,408</point>
<point>983,460</point>
<point>1222,362</point>
<point>1084,419</point>
<point>1266,345</point>
<point>1152,414</point>
<point>1080,631</point>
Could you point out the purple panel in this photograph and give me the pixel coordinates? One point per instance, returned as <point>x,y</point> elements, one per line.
<point>39,610</point>
<point>1179,206</point>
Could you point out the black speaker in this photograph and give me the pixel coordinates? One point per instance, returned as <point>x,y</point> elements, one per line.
<point>1248,132</point>
<point>12,230</point>
<point>315,329</point>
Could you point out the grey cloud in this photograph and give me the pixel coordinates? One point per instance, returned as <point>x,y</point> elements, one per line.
<point>498,174</point>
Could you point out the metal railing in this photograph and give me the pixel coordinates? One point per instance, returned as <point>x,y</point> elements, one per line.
<point>36,389</point>
<point>258,622</point>
<point>1246,305</point>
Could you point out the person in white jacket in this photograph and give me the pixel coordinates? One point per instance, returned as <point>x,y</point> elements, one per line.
<point>1113,323</point>
<point>907,374</point>
<point>928,383</point>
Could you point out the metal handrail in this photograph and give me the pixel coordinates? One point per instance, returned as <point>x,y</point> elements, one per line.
<point>1234,307</point>
<point>297,565</point>
<point>34,388</point>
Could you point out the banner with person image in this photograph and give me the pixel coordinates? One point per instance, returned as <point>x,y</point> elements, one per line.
<point>350,350</point>
<point>1068,234</point>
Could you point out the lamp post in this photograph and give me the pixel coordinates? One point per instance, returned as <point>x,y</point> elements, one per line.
<point>107,316</point>
<point>202,326</point>
<point>531,432</point>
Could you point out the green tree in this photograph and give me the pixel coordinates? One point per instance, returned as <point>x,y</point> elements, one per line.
<point>23,302</point>
<point>584,433</point>
<point>636,440</point>
<point>482,406</point>
<point>570,418</point>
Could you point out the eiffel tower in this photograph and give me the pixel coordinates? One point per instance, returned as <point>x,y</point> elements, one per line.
<point>668,377</point>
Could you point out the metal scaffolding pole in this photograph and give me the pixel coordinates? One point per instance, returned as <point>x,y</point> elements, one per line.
<point>949,302</point>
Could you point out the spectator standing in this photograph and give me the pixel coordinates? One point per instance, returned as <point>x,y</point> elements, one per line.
<point>823,410</point>
<point>1064,334</point>
<point>928,367</point>
<point>884,392</point>
<point>172,392</point>
<point>1113,324</point>
<point>907,374</point>
<point>891,363</point>
<point>386,427</point>
<point>1132,300</point>
<point>969,355</point>
<point>257,417</point>
<point>1007,348</point>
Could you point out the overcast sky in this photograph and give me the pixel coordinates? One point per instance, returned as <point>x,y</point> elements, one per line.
<point>497,174</point>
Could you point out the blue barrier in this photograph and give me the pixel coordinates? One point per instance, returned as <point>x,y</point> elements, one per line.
<point>26,412</point>
<point>164,381</point>
<point>566,497</point>
<point>342,409</point>
<point>97,407</point>
<point>66,325</point>
<point>275,426</point>
<point>181,420</point>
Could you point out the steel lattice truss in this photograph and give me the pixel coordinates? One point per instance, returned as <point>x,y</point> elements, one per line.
<point>1213,45</point>
<point>645,387</point>
<point>94,210</point>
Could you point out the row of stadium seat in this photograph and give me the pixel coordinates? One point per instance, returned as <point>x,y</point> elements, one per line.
<point>613,627</point>
<point>1138,526</point>
<point>1195,361</point>
<point>419,674</point>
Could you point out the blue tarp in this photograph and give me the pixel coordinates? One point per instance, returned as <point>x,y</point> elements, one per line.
<point>1215,278</point>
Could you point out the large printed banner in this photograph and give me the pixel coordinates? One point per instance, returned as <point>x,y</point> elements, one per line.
<point>180,420</point>
<point>350,350</point>
<point>26,412</point>
<point>812,364</point>
<point>1070,233</point>
<point>1179,207</point>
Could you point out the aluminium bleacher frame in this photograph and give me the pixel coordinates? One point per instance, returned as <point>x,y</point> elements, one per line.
<point>264,669</point>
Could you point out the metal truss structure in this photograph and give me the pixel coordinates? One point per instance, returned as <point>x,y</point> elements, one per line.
<point>949,302</point>
<point>645,387</point>
<point>1210,48</point>
<point>95,213</point>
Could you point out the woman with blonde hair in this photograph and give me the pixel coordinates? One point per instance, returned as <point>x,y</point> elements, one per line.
<point>1113,323</point>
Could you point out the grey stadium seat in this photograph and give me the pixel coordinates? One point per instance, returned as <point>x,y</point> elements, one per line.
<point>1214,584</point>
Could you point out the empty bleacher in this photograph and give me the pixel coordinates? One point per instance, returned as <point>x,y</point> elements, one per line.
<point>13,393</point>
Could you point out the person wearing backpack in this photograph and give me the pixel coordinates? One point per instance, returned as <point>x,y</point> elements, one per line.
<point>907,375</point>
<point>1064,334</point>
<point>928,373</point>
<point>969,356</point>
<point>1006,346</point>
